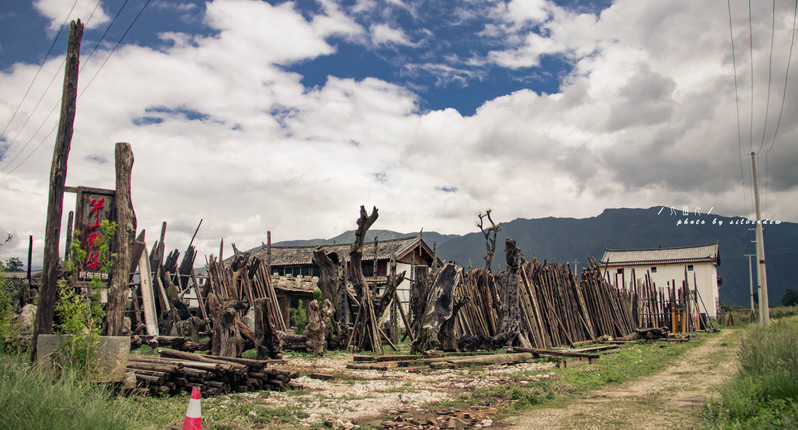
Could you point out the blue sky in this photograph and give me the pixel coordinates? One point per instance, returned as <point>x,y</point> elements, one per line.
<point>287,116</point>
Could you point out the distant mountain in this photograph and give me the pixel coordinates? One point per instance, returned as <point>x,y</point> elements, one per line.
<point>575,240</point>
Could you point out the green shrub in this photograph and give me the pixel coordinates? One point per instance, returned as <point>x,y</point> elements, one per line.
<point>299,317</point>
<point>765,389</point>
<point>39,398</point>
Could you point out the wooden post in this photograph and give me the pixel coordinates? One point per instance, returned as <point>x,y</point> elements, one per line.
<point>55,201</point>
<point>125,232</point>
<point>68,247</point>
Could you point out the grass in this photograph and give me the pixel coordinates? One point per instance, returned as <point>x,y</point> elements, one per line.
<point>764,392</point>
<point>561,386</point>
<point>37,398</point>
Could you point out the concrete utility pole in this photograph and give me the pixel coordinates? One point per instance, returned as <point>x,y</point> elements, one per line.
<point>762,279</point>
<point>55,201</point>
<point>751,283</point>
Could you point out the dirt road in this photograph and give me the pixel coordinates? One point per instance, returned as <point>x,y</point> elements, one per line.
<point>670,398</point>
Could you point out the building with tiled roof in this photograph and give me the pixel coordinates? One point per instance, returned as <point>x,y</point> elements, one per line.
<point>666,266</point>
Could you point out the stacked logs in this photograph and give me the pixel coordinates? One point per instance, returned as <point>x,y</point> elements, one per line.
<point>555,308</point>
<point>176,371</point>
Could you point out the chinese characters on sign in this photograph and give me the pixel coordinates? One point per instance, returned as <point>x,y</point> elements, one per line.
<point>93,207</point>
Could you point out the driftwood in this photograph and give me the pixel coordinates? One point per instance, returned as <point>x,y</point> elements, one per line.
<point>366,332</point>
<point>267,341</point>
<point>440,308</point>
<point>315,329</point>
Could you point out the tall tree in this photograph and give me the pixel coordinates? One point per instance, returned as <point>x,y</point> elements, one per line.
<point>490,236</point>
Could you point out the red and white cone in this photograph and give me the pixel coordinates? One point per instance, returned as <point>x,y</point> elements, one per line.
<point>193,420</point>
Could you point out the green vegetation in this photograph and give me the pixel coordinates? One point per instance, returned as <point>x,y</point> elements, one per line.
<point>790,297</point>
<point>39,398</point>
<point>299,317</point>
<point>764,392</point>
<point>81,317</point>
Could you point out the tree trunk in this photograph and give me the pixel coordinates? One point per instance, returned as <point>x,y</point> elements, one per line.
<point>368,330</point>
<point>315,329</point>
<point>510,308</point>
<point>55,201</point>
<point>125,234</point>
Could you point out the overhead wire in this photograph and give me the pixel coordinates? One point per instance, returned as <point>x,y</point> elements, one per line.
<point>751,61</point>
<point>786,75</point>
<point>87,85</point>
<point>770,76</point>
<point>44,93</point>
<point>49,51</point>
<point>737,104</point>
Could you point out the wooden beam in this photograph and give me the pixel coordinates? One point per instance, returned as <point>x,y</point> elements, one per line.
<point>125,231</point>
<point>55,201</point>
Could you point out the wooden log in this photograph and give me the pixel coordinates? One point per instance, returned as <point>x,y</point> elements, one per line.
<point>482,360</point>
<point>122,240</point>
<point>555,352</point>
<point>315,329</point>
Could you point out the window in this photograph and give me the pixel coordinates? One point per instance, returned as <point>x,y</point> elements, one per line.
<point>689,267</point>
<point>654,269</point>
<point>620,271</point>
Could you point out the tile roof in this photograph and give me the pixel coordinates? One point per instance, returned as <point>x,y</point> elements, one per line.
<point>690,254</point>
<point>301,255</point>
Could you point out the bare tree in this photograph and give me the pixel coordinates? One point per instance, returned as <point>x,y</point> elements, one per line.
<point>490,236</point>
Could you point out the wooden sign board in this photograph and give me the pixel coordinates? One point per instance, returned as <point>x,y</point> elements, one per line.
<point>93,206</point>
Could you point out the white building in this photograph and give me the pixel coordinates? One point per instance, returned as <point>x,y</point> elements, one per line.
<point>667,267</point>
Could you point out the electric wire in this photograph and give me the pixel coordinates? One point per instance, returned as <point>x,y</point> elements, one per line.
<point>737,104</point>
<point>770,76</point>
<point>84,88</point>
<point>44,93</point>
<point>786,75</point>
<point>49,51</point>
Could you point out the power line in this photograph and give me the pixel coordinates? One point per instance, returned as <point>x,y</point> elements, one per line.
<point>737,104</point>
<point>87,85</point>
<point>786,74</point>
<point>49,51</point>
<point>770,75</point>
<point>44,93</point>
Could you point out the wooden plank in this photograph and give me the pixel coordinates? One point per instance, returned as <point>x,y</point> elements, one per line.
<point>147,294</point>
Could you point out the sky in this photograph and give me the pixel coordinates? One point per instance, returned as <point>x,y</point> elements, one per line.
<point>283,116</point>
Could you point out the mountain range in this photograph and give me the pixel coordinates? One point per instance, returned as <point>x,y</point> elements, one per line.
<point>575,241</point>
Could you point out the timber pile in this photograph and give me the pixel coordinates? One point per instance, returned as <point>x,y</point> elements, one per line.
<point>176,371</point>
<point>554,308</point>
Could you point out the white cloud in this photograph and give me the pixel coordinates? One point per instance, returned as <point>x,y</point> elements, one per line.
<point>383,34</point>
<point>221,131</point>
<point>58,12</point>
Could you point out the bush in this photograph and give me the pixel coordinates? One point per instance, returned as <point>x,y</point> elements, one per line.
<point>39,398</point>
<point>790,297</point>
<point>299,317</point>
<point>765,389</point>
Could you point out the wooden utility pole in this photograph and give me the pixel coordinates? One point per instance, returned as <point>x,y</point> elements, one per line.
<point>122,240</point>
<point>762,278</point>
<point>55,201</point>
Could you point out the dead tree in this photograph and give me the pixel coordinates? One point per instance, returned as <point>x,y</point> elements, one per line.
<point>123,240</point>
<point>267,339</point>
<point>315,329</point>
<point>330,285</point>
<point>366,329</point>
<point>490,236</point>
<point>441,308</point>
<point>510,326</point>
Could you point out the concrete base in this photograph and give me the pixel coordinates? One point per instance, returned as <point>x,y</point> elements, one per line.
<point>110,357</point>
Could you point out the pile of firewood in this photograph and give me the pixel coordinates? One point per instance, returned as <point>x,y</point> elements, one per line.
<point>176,371</point>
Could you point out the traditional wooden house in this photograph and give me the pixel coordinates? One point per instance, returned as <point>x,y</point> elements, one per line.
<point>665,266</point>
<point>294,274</point>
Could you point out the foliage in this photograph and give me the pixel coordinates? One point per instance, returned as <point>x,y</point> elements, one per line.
<point>40,398</point>
<point>7,316</point>
<point>14,264</point>
<point>790,297</point>
<point>81,315</point>
<point>764,392</point>
<point>317,296</point>
<point>299,317</point>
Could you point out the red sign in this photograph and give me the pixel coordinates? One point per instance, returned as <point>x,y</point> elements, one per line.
<point>94,206</point>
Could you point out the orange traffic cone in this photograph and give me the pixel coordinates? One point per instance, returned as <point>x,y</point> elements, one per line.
<point>193,420</point>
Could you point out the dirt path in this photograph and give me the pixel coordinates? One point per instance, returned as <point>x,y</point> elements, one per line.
<point>670,398</point>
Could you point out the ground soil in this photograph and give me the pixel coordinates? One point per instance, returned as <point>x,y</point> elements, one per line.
<point>671,398</point>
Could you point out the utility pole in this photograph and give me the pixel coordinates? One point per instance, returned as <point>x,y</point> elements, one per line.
<point>751,283</point>
<point>55,201</point>
<point>762,279</point>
